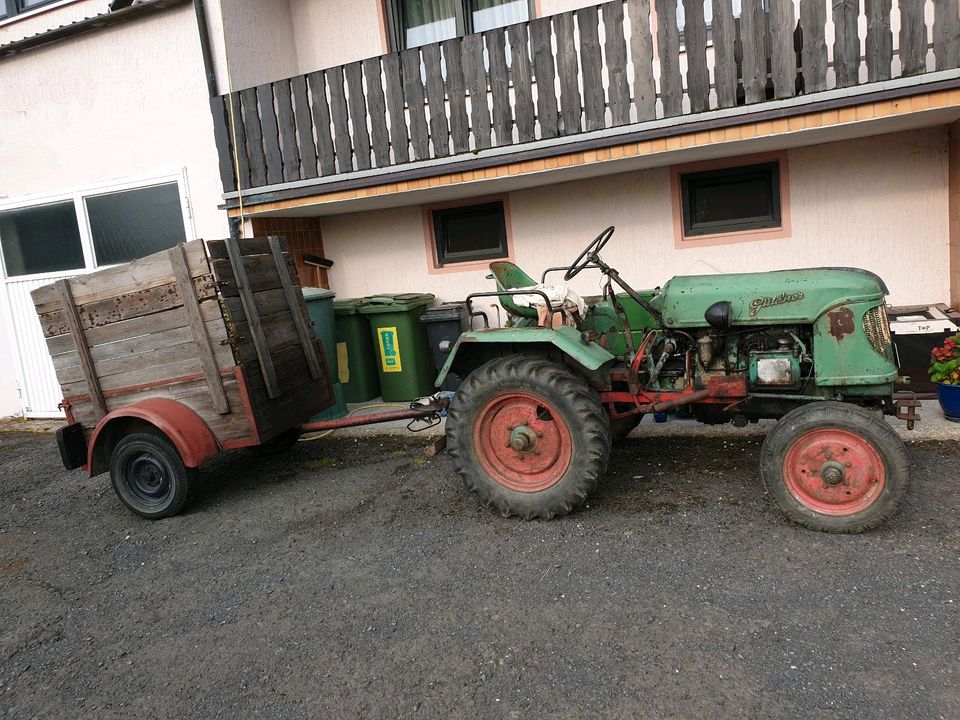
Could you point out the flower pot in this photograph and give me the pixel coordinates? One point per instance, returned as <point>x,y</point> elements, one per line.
<point>949,397</point>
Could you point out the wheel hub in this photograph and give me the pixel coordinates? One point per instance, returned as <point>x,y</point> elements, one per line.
<point>523,439</point>
<point>832,472</point>
<point>148,478</point>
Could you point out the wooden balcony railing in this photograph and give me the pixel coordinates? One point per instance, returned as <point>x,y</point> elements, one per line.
<point>582,71</point>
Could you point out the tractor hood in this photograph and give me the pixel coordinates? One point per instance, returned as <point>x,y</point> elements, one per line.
<point>784,296</point>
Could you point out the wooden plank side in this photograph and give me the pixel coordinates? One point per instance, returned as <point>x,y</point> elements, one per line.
<point>752,38</point>
<point>293,296</point>
<point>254,137</point>
<point>377,109</point>
<point>283,93</point>
<point>568,70</point>
<point>321,121</point>
<point>224,142</point>
<point>162,368</point>
<point>414,95</point>
<point>260,271</point>
<point>499,86</point>
<point>641,53</point>
<point>270,128</point>
<point>783,56</point>
<point>695,45</point>
<point>616,50</point>
<point>83,352</point>
<point>301,113</point>
<point>668,41</point>
<point>358,115</point>
<point>545,74</point>
<point>191,308</point>
<point>341,119</point>
<point>813,21</point>
<point>594,103</point>
<point>399,138</point>
<point>456,89</point>
<point>522,77</point>
<point>846,43</point>
<point>913,38</point>
<point>946,34</point>
<point>436,103</point>
<point>238,137</point>
<point>725,61</point>
<point>879,42</point>
<point>475,75</point>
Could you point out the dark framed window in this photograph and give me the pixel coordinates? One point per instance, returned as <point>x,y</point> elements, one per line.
<point>9,8</point>
<point>420,22</point>
<point>41,239</point>
<point>731,200</point>
<point>129,224</point>
<point>470,233</point>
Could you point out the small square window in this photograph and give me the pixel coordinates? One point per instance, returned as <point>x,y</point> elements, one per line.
<point>731,200</point>
<point>470,234</point>
<point>133,223</point>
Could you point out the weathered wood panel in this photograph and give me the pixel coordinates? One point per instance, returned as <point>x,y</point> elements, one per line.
<point>222,138</point>
<point>475,74</point>
<point>695,43</point>
<point>879,42</point>
<point>545,73</point>
<point>307,148</point>
<point>846,44</point>
<point>293,295</point>
<point>500,86</point>
<point>913,38</point>
<point>287,127</point>
<point>439,129</point>
<point>668,42</point>
<point>813,19</point>
<point>271,133</point>
<point>353,72</point>
<point>616,51</point>
<point>456,90</point>
<point>783,56</point>
<point>725,62</point>
<point>90,378</point>
<point>377,109</point>
<point>522,82</point>
<point>594,103</point>
<point>340,117</point>
<point>414,95</point>
<point>946,34</point>
<point>753,41</point>
<point>261,274</point>
<point>399,137</point>
<point>641,53</point>
<point>321,121</point>
<point>254,137</point>
<point>568,71</point>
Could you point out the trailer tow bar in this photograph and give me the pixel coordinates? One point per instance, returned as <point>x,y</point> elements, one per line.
<point>432,410</point>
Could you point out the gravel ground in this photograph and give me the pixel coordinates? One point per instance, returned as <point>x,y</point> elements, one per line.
<point>353,577</point>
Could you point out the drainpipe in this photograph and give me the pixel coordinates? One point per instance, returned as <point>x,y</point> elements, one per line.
<point>205,48</point>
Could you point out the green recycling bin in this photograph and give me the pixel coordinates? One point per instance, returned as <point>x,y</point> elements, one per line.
<point>319,304</point>
<point>356,363</point>
<point>404,360</point>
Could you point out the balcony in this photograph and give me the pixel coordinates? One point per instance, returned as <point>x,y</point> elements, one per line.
<point>584,79</point>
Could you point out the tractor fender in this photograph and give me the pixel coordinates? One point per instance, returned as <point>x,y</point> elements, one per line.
<point>187,431</point>
<point>476,347</point>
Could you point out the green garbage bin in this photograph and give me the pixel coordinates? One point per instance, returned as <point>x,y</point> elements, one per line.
<point>356,363</point>
<point>319,304</point>
<point>404,360</point>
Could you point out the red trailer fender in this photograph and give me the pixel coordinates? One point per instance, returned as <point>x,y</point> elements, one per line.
<point>194,441</point>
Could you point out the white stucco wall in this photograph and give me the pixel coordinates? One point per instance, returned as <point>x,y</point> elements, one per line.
<point>878,203</point>
<point>334,32</point>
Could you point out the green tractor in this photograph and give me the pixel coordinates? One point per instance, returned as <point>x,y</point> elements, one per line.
<point>541,403</point>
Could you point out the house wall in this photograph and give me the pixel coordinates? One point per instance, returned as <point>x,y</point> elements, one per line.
<point>954,173</point>
<point>879,203</point>
<point>335,32</point>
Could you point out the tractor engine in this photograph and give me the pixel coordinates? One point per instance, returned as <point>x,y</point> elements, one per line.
<point>773,359</point>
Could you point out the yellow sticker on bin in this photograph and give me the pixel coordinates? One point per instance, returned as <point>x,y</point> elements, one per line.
<point>389,349</point>
<point>343,363</point>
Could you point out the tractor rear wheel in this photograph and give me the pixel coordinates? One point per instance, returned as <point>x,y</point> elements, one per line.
<point>528,436</point>
<point>835,467</point>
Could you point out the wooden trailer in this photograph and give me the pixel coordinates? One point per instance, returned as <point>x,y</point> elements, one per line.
<point>167,360</point>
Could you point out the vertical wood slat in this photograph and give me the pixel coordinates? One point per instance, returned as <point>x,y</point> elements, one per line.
<point>321,122</point>
<point>725,61</point>
<point>240,138</point>
<point>668,42</point>
<point>86,361</point>
<point>191,307</point>
<point>413,93</point>
<point>813,20</point>
<point>288,130</point>
<point>913,38</point>
<point>879,43</point>
<point>846,44</point>
<point>568,71</point>
<point>641,53</point>
<point>301,112</point>
<point>249,304</point>
<point>616,49</point>
<point>754,64</point>
<point>457,95</point>
<point>377,109</point>
<point>353,72</point>
<point>522,80</point>
<point>399,139</point>
<point>475,74</point>
<point>695,42</point>
<point>499,86</point>
<point>221,136</point>
<point>341,119</point>
<point>254,137</point>
<point>545,73</point>
<point>293,302</point>
<point>594,104</point>
<point>439,130</point>
<point>271,134</point>
<point>946,34</point>
<point>783,56</point>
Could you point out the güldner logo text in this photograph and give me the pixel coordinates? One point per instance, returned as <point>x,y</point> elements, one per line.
<point>781,299</point>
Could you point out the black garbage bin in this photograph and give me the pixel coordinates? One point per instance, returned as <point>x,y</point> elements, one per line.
<point>917,329</point>
<point>444,323</point>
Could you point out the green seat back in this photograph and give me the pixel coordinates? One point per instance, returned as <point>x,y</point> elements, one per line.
<point>510,277</point>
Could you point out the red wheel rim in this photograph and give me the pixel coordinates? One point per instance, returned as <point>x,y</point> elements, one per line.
<point>522,442</point>
<point>834,472</point>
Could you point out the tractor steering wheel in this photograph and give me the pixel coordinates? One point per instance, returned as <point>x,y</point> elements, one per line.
<point>589,254</point>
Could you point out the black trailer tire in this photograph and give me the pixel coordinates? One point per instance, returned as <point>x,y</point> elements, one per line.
<point>544,433</point>
<point>149,476</point>
<point>835,467</point>
<point>277,445</point>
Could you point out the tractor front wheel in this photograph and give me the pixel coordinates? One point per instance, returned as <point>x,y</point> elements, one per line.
<point>528,436</point>
<point>835,467</point>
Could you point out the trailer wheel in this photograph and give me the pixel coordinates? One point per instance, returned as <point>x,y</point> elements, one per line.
<point>149,476</point>
<point>835,467</point>
<point>528,436</point>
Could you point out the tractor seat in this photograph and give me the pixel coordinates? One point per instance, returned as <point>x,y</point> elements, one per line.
<point>510,277</point>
